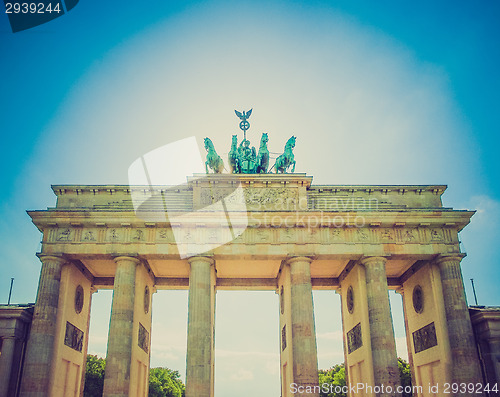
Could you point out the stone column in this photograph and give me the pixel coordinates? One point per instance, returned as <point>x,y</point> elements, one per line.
<point>465,362</point>
<point>121,324</point>
<point>304,353</point>
<point>200,335</point>
<point>6,364</point>
<point>40,348</point>
<point>385,363</point>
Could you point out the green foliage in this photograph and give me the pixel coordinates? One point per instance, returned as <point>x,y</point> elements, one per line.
<point>335,377</point>
<point>94,376</point>
<point>404,375</point>
<point>163,382</point>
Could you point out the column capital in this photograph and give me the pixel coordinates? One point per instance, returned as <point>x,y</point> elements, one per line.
<point>121,258</point>
<point>443,258</point>
<point>208,259</point>
<point>299,258</point>
<point>400,290</point>
<point>51,257</point>
<point>368,260</point>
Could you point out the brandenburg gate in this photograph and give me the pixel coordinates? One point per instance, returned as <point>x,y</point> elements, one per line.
<point>253,232</point>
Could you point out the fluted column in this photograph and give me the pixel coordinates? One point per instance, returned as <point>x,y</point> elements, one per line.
<point>40,348</point>
<point>200,335</point>
<point>121,324</point>
<point>6,364</point>
<point>304,353</point>
<point>383,345</point>
<point>465,362</point>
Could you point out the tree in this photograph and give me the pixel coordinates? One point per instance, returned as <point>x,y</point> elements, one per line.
<point>164,382</point>
<point>405,376</point>
<point>94,376</point>
<point>335,379</point>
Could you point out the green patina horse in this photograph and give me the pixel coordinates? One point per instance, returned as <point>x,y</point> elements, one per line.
<point>233,157</point>
<point>214,161</point>
<point>284,161</point>
<point>263,156</point>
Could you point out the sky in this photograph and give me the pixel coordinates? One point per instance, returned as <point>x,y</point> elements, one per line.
<point>384,92</point>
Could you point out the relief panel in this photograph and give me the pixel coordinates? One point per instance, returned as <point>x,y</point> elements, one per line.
<point>64,234</point>
<point>164,235</point>
<point>425,338</point>
<point>354,339</point>
<point>138,235</point>
<point>89,236</point>
<point>114,235</point>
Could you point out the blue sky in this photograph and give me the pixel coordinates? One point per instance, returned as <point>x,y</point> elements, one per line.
<point>384,92</point>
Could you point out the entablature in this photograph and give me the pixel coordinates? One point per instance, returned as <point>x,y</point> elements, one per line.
<point>260,192</point>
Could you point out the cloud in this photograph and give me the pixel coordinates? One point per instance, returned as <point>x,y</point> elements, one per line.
<point>164,356</point>
<point>487,212</point>
<point>242,375</point>
<point>98,353</point>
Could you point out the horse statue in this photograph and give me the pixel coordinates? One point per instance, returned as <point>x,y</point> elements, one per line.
<point>284,161</point>
<point>233,157</point>
<point>263,156</point>
<point>214,161</point>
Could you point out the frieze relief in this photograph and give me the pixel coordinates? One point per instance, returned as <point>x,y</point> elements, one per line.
<point>213,235</point>
<point>287,235</point>
<point>336,235</point>
<point>437,235</point>
<point>409,235</point>
<point>138,235</point>
<point>280,199</point>
<point>114,235</point>
<point>185,235</point>
<point>387,236</point>
<point>64,234</point>
<point>211,196</point>
<point>361,235</point>
<point>253,235</point>
<point>89,236</point>
<point>312,235</point>
<point>263,235</point>
<point>164,236</point>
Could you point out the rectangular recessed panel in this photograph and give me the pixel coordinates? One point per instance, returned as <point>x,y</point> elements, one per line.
<point>73,337</point>
<point>354,339</point>
<point>143,340</point>
<point>425,338</point>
